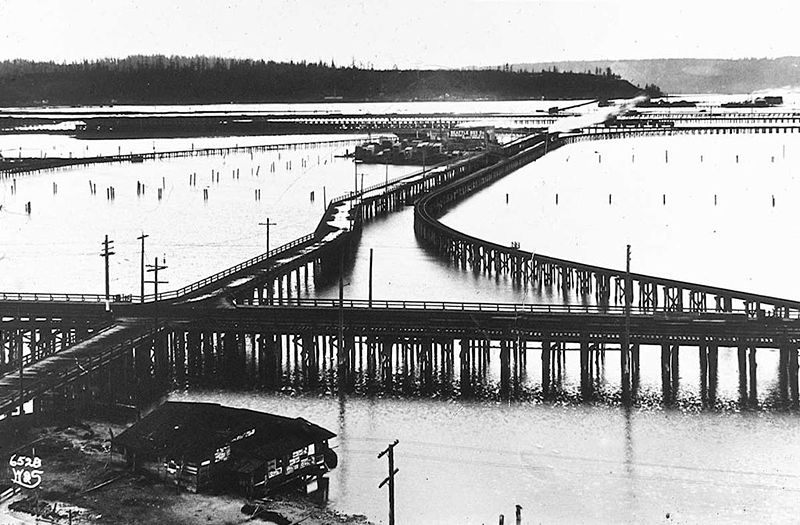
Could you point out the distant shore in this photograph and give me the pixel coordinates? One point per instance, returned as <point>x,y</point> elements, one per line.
<point>212,80</point>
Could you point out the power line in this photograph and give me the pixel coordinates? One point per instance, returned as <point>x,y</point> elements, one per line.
<point>142,237</point>
<point>155,268</point>
<point>268,224</point>
<point>390,479</point>
<point>106,253</point>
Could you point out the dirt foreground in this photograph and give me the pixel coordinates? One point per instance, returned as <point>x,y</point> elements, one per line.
<point>81,480</point>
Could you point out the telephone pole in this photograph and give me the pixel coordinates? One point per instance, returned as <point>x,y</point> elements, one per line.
<point>268,224</point>
<point>390,479</point>
<point>386,176</point>
<point>370,277</point>
<point>355,176</point>
<point>341,350</point>
<point>106,253</point>
<point>142,237</point>
<point>18,346</point>
<point>155,268</point>
<point>626,340</point>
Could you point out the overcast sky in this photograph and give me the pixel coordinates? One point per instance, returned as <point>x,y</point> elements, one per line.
<point>385,33</point>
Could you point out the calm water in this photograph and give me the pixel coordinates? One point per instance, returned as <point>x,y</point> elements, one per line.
<point>347,108</point>
<point>791,100</point>
<point>468,461</point>
<point>43,145</point>
<point>56,247</point>
<point>662,203</point>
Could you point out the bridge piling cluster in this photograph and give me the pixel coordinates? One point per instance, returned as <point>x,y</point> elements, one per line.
<point>14,167</point>
<point>366,352</point>
<point>373,356</point>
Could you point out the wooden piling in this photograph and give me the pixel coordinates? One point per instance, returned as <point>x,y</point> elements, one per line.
<point>546,366</point>
<point>742,358</point>
<point>753,394</point>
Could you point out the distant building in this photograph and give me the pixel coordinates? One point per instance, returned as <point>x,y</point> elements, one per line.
<point>205,445</point>
<point>437,145</point>
<point>760,102</point>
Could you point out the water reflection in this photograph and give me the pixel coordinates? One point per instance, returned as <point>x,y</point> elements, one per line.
<point>465,461</point>
<point>54,247</point>
<point>630,462</point>
<point>456,367</point>
<point>343,440</point>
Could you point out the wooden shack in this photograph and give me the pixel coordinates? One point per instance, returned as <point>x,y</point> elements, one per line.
<point>206,445</point>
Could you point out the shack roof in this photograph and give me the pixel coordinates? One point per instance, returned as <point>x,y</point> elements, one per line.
<point>194,431</point>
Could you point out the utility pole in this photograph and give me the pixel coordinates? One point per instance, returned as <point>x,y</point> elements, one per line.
<point>268,224</point>
<point>341,350</point>
<point>370,277</point>
<point>390,479</point>
<point>155,268</point>
<point>106,253</point>
<point>355,176</point>
<point>142,237</point>
<point>624,361</point>
<point>18,344</point>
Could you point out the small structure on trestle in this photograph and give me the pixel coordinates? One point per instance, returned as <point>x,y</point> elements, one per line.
<point>426,148</point>
<point>202,446</point>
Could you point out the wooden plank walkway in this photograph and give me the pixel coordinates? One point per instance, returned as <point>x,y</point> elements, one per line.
<point>425,320</point>
<point>71,363</point>
<point>207,302</point>
<point>12,166</point>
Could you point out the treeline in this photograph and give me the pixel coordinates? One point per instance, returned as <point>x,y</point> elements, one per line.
<point>598,71</point>
<point>695,75</point>
<point>165,80</point>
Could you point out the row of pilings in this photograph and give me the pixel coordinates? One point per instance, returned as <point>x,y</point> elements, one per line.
<point>363,361</point>
<point>11,166</point>
<point>620,132</point>
<point>590,283</point>
<point>324,262</point>
<point>30,342</point>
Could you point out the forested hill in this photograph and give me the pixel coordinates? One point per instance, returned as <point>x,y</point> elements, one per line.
<point>696,75</point>
<point>169,80</point>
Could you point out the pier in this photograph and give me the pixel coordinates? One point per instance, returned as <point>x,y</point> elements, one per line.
<point>248,321</point>
<point>10,166</point>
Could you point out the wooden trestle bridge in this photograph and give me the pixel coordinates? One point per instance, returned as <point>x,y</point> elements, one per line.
<point>249,325</point>
<point>11,166</point>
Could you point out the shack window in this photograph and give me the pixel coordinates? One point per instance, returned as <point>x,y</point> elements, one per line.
<point>222,454</point>
<point>273,469</point>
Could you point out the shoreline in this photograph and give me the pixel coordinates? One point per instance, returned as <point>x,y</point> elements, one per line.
<point>83,480</point>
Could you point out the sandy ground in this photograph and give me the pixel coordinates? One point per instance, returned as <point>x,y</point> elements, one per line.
<point>76,460</point>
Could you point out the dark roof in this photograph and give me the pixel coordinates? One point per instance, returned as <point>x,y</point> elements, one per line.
<point>193,431</point>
